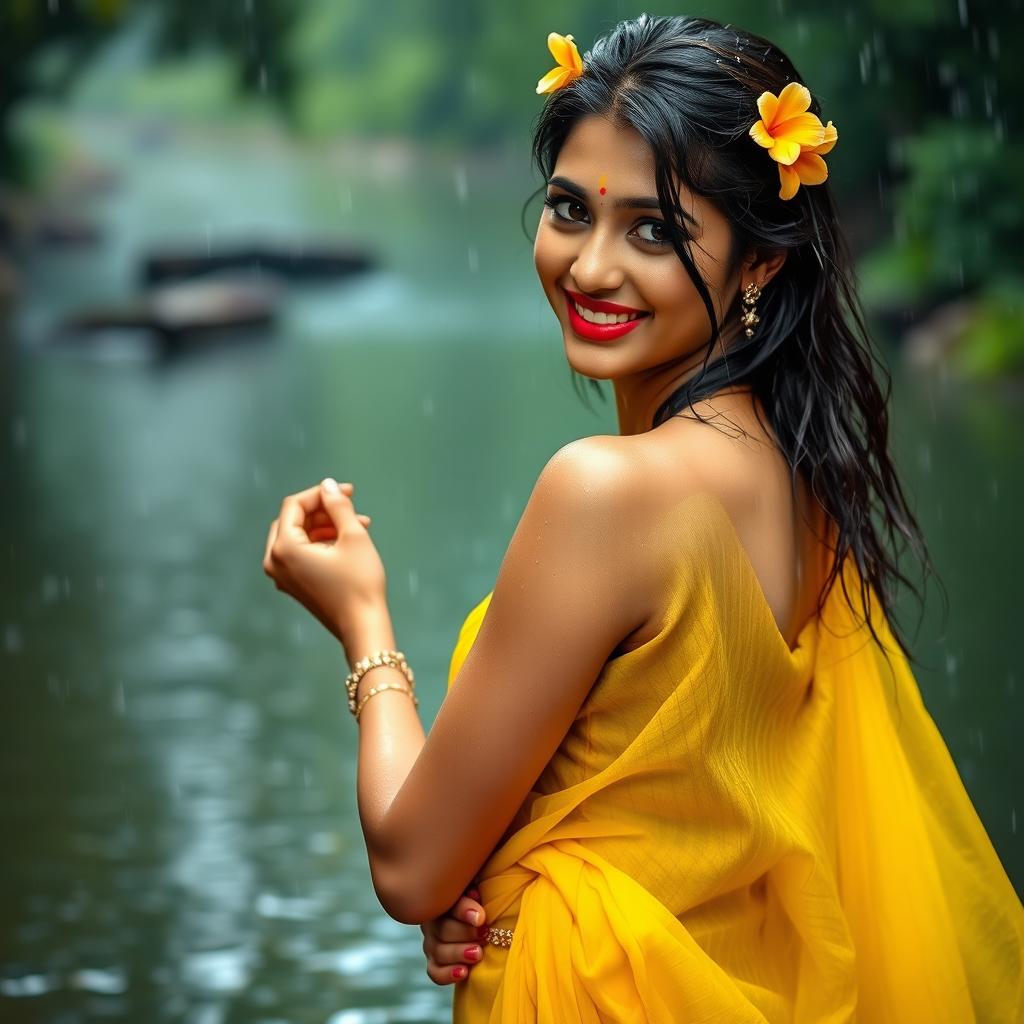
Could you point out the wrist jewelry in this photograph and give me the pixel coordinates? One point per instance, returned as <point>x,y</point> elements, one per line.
<point>361,667</point>
<point>373,691</point>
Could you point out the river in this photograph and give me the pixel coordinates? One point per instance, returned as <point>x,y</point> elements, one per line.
<point>180,833</point>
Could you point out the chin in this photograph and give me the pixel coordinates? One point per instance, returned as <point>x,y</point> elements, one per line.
<point>590,359</point>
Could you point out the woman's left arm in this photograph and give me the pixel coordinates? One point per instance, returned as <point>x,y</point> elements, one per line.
<point>570,587</point>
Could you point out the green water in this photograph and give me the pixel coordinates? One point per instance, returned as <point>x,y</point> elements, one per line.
<point>180,836</point>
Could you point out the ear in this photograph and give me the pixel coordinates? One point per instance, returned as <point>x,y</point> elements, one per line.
<point>761,269</point>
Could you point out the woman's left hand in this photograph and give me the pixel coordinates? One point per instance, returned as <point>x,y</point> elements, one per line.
<point>319,551</point>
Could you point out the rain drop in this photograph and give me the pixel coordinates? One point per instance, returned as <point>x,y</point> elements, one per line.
<point>461,184</point>
<point>29,984</point>
<point>13,641</point>
<point>924,459</point>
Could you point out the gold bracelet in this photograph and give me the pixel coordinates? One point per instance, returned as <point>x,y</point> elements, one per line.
<point>373,691</point>
<point>361,667</point>
<point>500,937</point>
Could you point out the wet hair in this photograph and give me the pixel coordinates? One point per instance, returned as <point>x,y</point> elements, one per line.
<point>689,88</point>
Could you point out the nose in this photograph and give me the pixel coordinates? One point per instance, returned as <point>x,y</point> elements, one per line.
<point>596,267</point>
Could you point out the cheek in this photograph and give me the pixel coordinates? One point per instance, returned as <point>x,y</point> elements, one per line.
<point>551,257</point>
<point>672,294</point>
<point>669,288</point>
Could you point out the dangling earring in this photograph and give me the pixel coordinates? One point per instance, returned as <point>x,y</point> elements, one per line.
<point>750,295</point>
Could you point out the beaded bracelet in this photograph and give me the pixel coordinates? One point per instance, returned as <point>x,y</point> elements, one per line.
<point>361,667</point>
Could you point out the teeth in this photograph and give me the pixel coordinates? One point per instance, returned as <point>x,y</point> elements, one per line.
<point>604,318</point>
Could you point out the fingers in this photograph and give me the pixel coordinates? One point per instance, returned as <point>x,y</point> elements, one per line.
<point>328,532</point>
<point>271,538</point>
<point>453,943</point>
<point>470,910</point>
<point>308,502</point>
<point>337,504</point>
<point>455,965</point>
<point>297,509</point>
<point>294,510</point>
<point>314,521</point>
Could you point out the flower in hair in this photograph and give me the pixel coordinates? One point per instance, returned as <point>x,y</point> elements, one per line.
<point>795,138</point>
<point>570,66</point>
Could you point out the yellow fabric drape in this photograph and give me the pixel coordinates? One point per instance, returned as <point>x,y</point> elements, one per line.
<point>732,831</point>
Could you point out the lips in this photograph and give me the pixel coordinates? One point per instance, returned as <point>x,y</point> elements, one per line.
<point>601,332</point>
<point>601,306</point>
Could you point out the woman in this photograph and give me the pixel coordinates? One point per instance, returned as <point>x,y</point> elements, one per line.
<point>682,774</point>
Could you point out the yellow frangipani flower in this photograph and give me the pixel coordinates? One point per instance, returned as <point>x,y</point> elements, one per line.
<point>570,66</point>
<point>808,168</point>
<point>794,138</point>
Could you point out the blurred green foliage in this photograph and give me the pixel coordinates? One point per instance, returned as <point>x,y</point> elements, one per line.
<point>927,170</point>
<point>994,344</point>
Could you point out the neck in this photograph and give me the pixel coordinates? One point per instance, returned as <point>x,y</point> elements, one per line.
<point>638,395</point>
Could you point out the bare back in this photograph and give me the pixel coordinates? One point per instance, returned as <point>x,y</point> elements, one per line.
<point>737,459</point>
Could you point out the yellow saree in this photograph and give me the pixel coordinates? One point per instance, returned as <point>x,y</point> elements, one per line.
<point>734,831</point>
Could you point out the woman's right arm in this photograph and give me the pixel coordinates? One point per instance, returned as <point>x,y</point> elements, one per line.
<point>452,942</point>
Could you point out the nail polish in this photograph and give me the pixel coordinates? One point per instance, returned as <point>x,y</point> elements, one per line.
<point>472,953</point>
<point>459,972</point>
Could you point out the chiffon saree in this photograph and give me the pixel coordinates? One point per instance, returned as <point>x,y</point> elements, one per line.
<point>736,831</point>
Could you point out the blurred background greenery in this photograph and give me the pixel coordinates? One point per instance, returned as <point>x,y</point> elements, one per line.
<point>346,183</point>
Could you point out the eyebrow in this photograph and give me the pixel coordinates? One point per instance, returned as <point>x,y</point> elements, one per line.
<point>629,203</point>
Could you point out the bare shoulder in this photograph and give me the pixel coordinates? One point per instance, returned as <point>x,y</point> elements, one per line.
<point>601,467</point>
<point>594,503</point>
<point>628,487</point>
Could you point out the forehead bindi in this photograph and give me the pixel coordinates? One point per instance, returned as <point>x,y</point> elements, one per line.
<point>611,164</point>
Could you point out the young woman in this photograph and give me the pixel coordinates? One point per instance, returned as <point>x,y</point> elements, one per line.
<point>681,773</point>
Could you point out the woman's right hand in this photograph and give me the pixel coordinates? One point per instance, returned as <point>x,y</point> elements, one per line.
<point>452,943</point>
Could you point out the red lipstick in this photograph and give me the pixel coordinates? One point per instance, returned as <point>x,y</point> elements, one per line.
<point>600,332</point>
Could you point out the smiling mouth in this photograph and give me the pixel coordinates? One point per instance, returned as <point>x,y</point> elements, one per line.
<point>599,311</point>
<point>599,326</point>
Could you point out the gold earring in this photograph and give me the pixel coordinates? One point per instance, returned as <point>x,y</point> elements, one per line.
<point>750,295</point>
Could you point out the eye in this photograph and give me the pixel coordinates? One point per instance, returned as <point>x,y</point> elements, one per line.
<point>558,201</point>
<point>660,236</point>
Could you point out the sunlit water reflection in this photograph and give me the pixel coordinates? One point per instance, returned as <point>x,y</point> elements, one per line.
<point>180,831</point>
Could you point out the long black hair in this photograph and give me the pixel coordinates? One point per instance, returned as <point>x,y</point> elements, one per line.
<point>689,88</point>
